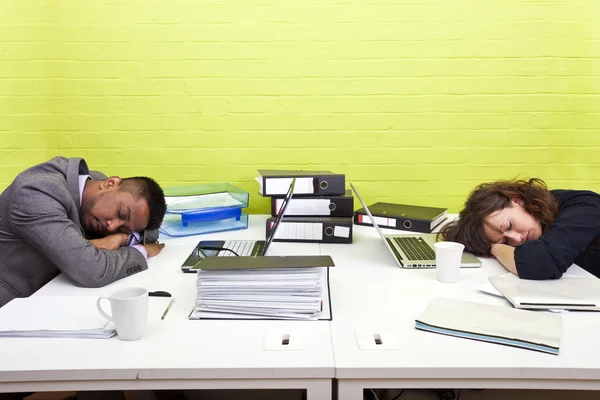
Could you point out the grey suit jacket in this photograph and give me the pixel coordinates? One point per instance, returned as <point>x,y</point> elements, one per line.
<point>41,234</point>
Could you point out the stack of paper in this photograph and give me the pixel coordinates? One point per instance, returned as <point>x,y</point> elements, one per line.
<point>99,333</point>
<point>495,324</point>
<point>55,316</point>
<point>274,293</point>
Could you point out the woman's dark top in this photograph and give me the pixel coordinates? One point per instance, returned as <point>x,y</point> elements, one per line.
<point>573,237</point>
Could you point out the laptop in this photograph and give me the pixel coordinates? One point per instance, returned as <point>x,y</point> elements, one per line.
<point>414,250</point>
<point>580,293</point>
<point>234,248</point>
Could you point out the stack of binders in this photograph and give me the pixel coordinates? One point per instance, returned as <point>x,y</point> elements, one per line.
<point>320,210</point>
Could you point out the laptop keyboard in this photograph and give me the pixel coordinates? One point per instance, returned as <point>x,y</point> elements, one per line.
<point>241,247</point>
<point>415,248</point>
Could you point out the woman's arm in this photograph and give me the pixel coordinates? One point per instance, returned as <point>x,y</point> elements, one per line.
<point>574,228</point>
<point>506,255</point>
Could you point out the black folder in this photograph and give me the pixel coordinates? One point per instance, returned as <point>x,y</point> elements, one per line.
<point>326,206</point>
<point>402,217</point>
<point>308,183</point>
<point>313,229</point>
<point>254,262</point>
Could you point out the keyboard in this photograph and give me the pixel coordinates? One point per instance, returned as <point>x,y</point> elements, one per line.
<point>415,248</point>
<point>241,247</point>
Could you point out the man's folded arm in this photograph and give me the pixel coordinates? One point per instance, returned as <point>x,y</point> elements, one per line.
<point>45,225</point>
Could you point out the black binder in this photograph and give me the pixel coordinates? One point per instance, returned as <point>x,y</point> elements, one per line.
<point>327,206</point>
<point>313,229</point>
<point>260,262</point>
<point>402,217</point>
<point>308,183</point>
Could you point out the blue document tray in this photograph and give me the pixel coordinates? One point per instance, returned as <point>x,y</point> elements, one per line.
<point>210,215</point>
<point>210,207</point>
<point>173,226</point>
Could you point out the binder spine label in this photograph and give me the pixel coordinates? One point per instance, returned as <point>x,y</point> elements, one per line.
<point>341,231</point>
<point>364,219</point>
<point>275,186</point>
<point>305,207</point>
<point>299,231</point>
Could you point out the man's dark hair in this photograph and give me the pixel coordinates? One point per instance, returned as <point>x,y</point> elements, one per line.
<point>148,189</point>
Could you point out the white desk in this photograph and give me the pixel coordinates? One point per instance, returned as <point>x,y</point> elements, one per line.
<point>372,295</point>
<point>175,353</point>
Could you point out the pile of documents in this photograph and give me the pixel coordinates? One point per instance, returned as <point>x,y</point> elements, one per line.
<point>273,293</point>
<point>54,316</point>
<point>97,333</point>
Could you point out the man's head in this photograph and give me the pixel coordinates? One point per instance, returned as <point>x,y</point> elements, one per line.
<point>117,205</point>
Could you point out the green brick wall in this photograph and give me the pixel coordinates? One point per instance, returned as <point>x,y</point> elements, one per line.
<point>415,101</point>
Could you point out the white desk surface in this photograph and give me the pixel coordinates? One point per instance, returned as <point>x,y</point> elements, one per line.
<point>372,295</point>
<point>175,352</point>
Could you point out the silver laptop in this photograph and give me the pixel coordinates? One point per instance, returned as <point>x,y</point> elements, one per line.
<point>234,248</point>
<point>414,250</point>
<point>580,293</point>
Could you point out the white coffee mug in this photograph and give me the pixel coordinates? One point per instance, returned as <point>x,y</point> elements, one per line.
<point>129,309</point>
<point>448,257</point>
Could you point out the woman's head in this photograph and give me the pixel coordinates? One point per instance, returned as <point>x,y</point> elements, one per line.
<point>509,212</point>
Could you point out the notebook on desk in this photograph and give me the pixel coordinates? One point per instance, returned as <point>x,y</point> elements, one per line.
<point>494,324</point>
<point>557,294</point>
<point>234,248</point>
<point>63,317</point>
<point>414,251</point>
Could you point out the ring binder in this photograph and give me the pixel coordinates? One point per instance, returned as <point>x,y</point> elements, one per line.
<point>313,229</point>
<point>326,206</point>
<point>403,216</point>
<point>276,182</point>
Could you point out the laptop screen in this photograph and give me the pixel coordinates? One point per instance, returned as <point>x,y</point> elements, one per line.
<point>370,215</point>
<point>279,217</point>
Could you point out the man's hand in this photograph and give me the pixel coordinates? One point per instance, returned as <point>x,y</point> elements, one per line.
<point>110,242</point>
<point>153,249</point>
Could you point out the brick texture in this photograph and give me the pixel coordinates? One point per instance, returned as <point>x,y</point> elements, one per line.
<point>415,101</point>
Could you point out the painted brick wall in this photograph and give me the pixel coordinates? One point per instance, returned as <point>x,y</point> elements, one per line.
<point>415,101</point>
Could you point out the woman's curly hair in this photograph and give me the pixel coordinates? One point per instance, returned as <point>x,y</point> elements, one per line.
<point>487,198</point>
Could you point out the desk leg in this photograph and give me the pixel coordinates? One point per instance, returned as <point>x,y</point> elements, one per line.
<point>319,389</point>
<point>350,390</point>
